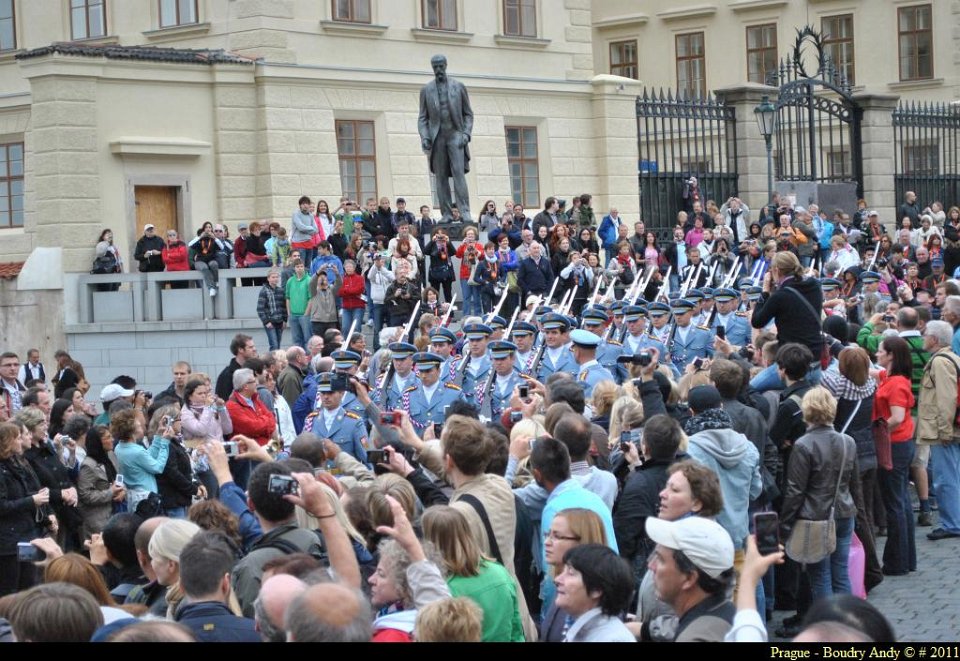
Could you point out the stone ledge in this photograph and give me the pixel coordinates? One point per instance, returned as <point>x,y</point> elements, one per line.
<point>176,31</point>
<point>441,36</point>
<point>622,21</point>
<point>343,27</point>
<point>162,326</point>
<point>749,5</point>
<point>916,84</point>
<point>680,13</point>
<point>533,43</point>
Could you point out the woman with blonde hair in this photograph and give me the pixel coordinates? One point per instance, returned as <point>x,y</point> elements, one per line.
<point>794,303</point>
<point>622,409</point>
<point>570,528</point>
<point>820,474</point>
<point>604,395</point>
<point>470,574</point>
<point>166,543</point>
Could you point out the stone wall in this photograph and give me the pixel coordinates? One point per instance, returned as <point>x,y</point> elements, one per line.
<point>148,351</point>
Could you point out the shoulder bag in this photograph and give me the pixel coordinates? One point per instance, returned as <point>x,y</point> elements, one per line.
<point>812,541</point>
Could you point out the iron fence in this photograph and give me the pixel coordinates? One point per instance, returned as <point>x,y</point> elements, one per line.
<point>925,151</point>
<point>681,138</point>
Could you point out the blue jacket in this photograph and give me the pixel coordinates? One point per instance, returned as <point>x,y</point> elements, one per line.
<point>212,622</point>
<point>331,264</point>
<point>736,461</point>
<point>608,231</point>
<point>534,279</point>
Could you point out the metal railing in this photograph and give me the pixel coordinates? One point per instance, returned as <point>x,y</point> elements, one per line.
<point>926,140</point>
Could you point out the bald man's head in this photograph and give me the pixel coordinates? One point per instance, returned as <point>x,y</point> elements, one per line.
<point>329,613</point>
<point>907,319</point>
<point>276,595</point>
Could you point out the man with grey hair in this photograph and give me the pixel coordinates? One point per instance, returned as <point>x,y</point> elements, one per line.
<point>329,613</point>
<point>526,240</point>
<point>290,381</point>
<point>936,424</point>
<point>314,349</point>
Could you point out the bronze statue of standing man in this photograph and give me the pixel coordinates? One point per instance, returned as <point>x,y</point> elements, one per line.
<point>445,125</point>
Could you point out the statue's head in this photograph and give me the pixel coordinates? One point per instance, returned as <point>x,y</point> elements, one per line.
<point>439,64</point>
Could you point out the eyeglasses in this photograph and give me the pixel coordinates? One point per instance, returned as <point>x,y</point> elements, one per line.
<point>567,538</point>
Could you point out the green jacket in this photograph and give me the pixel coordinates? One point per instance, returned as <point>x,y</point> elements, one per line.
<point>495,591</point>
<point>870,341</point>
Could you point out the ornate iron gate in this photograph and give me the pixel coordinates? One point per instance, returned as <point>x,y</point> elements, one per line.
<point>679,138</point>
<point>818,123</point>
<point>926,140</point>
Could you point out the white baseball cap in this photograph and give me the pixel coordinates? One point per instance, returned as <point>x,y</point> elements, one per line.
<point>114,391</point>
<point>148,226</point>
<point>704,541</point>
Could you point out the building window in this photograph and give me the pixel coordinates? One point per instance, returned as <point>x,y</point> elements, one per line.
<point>358,159</point>
<point>88,18</point>
<point>838,44</point>
<point>691,66</point>
<point>916,42</point>
<point>921,160</point>
<point>520,18</point>
<point>177,12</point>
<point>440,14</point>
<point>839,164</point>
<point>522,159</point>
<point>761,52</point>
<point>351,11</point>
<point>8,30</point>
<point>11,185</point>
<point>623,59</point>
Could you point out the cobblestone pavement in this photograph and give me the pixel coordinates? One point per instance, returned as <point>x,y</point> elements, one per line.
<point>924,605</point>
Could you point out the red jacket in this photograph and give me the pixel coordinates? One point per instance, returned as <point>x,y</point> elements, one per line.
<point>351,290</point>
<point>257,423</point>
<point>175,257</point>
<point>465,266</point>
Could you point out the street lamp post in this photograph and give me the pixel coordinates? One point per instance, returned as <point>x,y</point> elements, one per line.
<point>766,114</point>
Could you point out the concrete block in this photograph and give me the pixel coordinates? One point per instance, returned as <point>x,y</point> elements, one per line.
<point>258,39</point>
<point>181,304</point>
<point>240,142</point>
<point>112,306</point>
<point>181,338</point>
<point>577,4</point>
<point>274,96</point>
<point>583,61</point>
<point>580,17</point>
<point>101,341</point>
<point>237,164</point>
<point>314,120</point>
<point>245,302</point>
<point>77,139</point>
<point>126,358</point>
<point>235,96</point>
<point>236,119</point>
<point>284,119</point>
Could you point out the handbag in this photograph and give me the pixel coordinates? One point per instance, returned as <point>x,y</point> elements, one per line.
<point>881,441</point>
<point>106,263</point>
<point>812,541</point>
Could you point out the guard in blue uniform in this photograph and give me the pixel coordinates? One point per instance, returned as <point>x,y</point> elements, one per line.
<point>504,379</point>
<point>734,324</point>
<point>497,324</point>
<point>659,314</point>
<point>524,335</point>
<point>442,341</point>
<point>706,307</point>
<point>696,295</point>
<point>589,371</point>
<point>426,401</point>
<point>595,321</point>
<point>556,356</point>
<point>332,422</point>
<point>616,308</point>
<point>637,339</point>
<point>348,362</point>
<point>540,313</point>
<point>401,375</point>
<point>689,341</point>
<point>474,366</point>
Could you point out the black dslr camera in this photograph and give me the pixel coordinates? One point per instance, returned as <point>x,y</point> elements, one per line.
<point>643,359</point>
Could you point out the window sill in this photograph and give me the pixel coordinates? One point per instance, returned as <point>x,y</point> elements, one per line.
<point>109,39</point>
<point>441,36</point>
<point>10,55</point>
<point>176,31</point>
<point>521,42</point>
<point>679,13</point>
<point>343,27</point>
<point>923,83</point>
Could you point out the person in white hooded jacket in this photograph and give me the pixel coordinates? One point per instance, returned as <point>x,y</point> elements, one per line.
<point>730,454</point>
